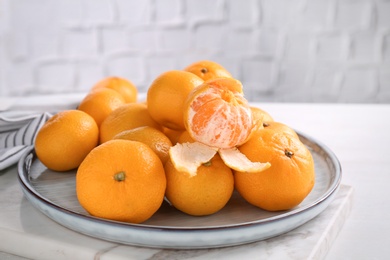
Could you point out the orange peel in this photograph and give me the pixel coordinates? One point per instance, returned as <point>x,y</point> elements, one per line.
<point>236,160</point>
<point>187,157</point>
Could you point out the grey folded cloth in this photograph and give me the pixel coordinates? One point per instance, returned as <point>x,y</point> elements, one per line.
<point>17,132</point>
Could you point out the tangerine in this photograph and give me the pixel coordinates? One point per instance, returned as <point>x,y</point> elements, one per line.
<point>287,182</point>
<point>218,118</point>
<point>185,137</point>
<point>173,135</point>
<point>217,114</point>
<point>123,86</point>
<point>121,180</point>
<point>65,139</point>
<point>207,70</point>
<point>150,136</point>
<point>203,194</point>
<point>100,103</point>
<point>126,117</point>
<point>167,94</point>
<point>279,127</point>
<point>261,115</point>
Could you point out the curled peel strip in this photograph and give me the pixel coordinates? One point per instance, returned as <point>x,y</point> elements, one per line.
<point>188,157</point>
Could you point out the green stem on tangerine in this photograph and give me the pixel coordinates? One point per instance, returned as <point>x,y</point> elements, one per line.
<point>120,176</point>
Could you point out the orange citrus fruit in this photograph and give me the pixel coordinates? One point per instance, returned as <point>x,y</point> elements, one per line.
<point>173,135</point>
<point>217,114</point>
<point>150,136</point>
<point>287,182</point>
<point>167,94</point>
<point>100,103</point>
<point>279,127</point>
<point>218,118</point>
<point>260,114</point>
<point>123,86</point>
<point>126,117</point>
<point>207,70</point>
<point>65,139</point>
<point>121,180</point>
<point>185,137</point>
<point>203,194</point>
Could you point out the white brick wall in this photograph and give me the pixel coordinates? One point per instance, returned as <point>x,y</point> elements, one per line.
<point>282,50</point>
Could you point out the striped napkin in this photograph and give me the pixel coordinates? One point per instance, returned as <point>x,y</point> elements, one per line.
<point>17,132</point>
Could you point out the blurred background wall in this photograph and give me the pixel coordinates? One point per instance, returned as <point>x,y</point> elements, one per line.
<point>282,50</point>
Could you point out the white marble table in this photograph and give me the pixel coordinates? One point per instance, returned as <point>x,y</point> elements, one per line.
<point>349,228</point>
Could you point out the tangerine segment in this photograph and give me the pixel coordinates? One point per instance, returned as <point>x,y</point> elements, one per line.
<point>217,114</point>
<point>121,180</point>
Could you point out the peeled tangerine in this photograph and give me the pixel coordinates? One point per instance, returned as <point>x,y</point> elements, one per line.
<point>218,118</point>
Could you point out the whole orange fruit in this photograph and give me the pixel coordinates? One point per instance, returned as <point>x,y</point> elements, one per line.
<point>287,182</point>
<point>185,137</point>
<point>100,103</point>
<point>261,114</point>
<point>274,126</point>
<point>150,136</point>
<point>203,194</point>
<point>65,139</point>
<point>123,86</point>
<point>173,135</point>
<point>126,117</point>
<point>121,180</point>
<point>166,96</point>
<point>207,70</point>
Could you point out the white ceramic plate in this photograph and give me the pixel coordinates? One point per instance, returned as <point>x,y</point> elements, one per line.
<point>54,194</point>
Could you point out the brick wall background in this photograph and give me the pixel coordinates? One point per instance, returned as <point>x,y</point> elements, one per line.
<point>282,50</point>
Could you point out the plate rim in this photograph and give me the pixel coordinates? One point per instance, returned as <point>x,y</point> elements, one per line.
<point>26,187</point>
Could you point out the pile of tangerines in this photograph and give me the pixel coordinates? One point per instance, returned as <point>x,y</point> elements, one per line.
<point>193,141</point>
